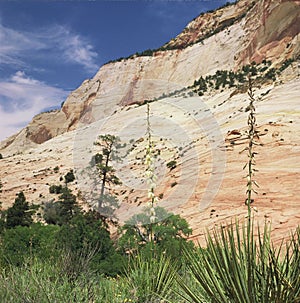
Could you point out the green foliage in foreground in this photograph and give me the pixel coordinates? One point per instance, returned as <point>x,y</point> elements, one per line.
<point>238,267</point>
<point>75,260</point>
<point>151,278</point>
<point>22,241</point>
<point>45,282</point>
<point>235,267</point>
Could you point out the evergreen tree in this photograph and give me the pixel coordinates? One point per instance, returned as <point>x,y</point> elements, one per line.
<point>62,211</point>
<point>69,206</point>
<point>109,144</point>
<point>87,237</point>
<point>20,213</point>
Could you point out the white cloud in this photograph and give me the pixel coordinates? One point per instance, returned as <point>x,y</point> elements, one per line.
<point>76,49</point>
<point>22,97</point>
<point>55,42</point>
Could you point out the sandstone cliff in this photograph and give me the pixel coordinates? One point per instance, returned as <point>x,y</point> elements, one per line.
<point>204,135</point>
<point>224,39</point>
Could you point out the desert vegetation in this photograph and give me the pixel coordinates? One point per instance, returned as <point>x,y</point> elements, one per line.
<point>261,73</point>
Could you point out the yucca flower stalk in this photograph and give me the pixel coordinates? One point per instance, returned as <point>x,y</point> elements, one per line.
<point>252,140</point>
<point>150,174</point>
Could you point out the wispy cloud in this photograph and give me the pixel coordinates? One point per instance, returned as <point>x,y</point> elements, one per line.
<point>15,45</point>
<point>75,48</point>
<point>22,97</point>
<point>54,42</point>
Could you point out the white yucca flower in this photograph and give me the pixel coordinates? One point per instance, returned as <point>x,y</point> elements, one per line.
<point>151,195</point>
<point>152,219</point>
<point>148,174</point>
<point>151,178</point>
<point>152,211</point>
<point>152,185</point>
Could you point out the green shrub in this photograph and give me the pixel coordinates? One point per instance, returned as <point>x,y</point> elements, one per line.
<point>52,213</point>
<point>172,164</point>
<point>86,236</point>
<point>170,234</point>
<point>23,242</point>
<point>45,281</point>
<point>55,189</point>
<point>70,177</point>
<point>271,74</point>
<point>286,64</point>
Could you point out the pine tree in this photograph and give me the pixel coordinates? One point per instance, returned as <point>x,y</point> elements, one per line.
<point>68,205</point>
<point>109,145</point>
<point>20,213</point>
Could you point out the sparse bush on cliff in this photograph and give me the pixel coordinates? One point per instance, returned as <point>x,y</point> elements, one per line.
<point>70,177</point>
<point>271,74</point>
<point>55,189</point>
<point>172,164</point>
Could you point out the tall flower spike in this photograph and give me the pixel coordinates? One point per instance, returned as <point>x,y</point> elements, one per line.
<point>150,175</point>
<point>252,136</point>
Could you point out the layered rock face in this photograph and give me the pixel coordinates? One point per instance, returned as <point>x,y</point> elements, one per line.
<point>204,135</point>
<point>224,39</point>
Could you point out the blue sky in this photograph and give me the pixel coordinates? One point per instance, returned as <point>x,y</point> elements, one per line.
<point>47,48</point>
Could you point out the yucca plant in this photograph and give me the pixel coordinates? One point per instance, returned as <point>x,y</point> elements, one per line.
<point>239,267</point>
<point>285,271</point>
<point>151,279</point>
